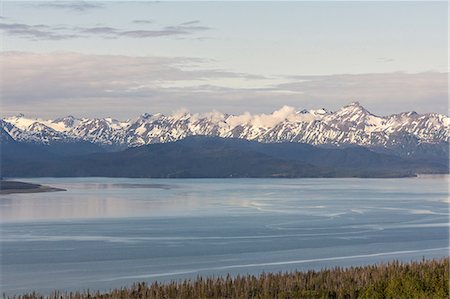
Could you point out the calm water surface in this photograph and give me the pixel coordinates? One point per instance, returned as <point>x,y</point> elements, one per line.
<point>104,233</point>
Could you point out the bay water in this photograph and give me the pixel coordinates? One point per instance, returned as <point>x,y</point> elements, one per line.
<point>105,233</point>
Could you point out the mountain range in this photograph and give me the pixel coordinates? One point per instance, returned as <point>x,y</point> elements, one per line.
<point>419,142</point>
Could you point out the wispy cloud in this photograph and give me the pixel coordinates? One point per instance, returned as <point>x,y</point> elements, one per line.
<point>123,74</point>
<point>425,91</point>
<point>187,28</point>
<point>59,32</point>
<point>79,6</point>
<point>385,59</point>
<point>190,23</point>
<point>36,32</point>
<point>100,30</point>
<point>142,22</point>
<point>77,83</point>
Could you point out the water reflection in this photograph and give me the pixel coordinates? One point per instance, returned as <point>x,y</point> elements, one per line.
<point>124,198</point>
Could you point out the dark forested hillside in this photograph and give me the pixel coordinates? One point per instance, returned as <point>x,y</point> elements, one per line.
<point>212,157</point>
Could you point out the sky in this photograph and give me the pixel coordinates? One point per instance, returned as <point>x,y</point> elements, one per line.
<point>121,59</point>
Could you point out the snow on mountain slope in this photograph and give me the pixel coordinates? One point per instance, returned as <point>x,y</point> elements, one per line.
<point>352,124</point>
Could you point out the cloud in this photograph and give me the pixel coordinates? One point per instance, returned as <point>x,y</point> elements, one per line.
<point>152,33</point>
<point>426,91</point>
<point>63,83</point>
<point>385,59</point>
<point>265,120</point>
<point>59,32</point>
<point>73,82</point>
<point>180,112</point>
<point>186,28</point>
<point>142,21</point>
<point>35,32</point>
<point>78,75</point>
<point>79,6</point>
<point>99,30</point>
<point>190,23</point>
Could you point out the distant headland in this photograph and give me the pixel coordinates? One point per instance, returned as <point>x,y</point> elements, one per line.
<point>10,187</point>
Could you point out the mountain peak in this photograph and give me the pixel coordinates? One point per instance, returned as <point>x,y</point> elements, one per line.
<point>65,118</point>
<point>353,108</point>
<point>37,126</point>
<point>355,104</point>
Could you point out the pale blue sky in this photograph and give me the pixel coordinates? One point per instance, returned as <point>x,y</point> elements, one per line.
<point>250,51</point>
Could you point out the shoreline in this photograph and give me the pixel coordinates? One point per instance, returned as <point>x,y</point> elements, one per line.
<point>416,175</point>
<point>427,278</point>
<point>16,187</point>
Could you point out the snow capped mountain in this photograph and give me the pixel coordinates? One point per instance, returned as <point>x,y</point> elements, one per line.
<point>64,124</point>
<point>352,124</point>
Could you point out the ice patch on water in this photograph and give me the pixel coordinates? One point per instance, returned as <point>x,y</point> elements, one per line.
<point>422,212</point>
<point>422,225</point>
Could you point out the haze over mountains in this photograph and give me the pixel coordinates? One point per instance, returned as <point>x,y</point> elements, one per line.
<point>287,143</point>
